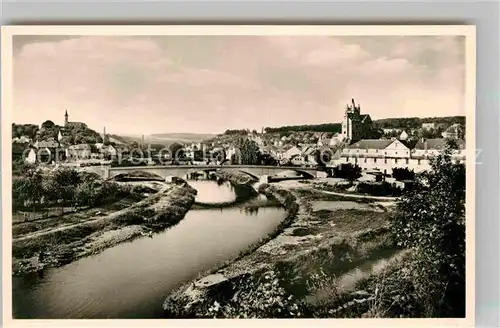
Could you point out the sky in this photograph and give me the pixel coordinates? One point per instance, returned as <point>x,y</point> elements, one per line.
<point>207,84</point>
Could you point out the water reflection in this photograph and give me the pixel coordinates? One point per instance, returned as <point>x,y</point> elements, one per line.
<point>131,280</point>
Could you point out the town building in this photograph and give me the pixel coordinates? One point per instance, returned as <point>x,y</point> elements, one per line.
<point>403,136</point>
<point>385,155</point>
<point>355,126</point>
<point>455,131</point>
<point>47,151</point>
<point>68,124</point>
<point>79,152</point>
<point>428,126</point>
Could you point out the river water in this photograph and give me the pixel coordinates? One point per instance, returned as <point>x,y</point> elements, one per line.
<point>132,279</point>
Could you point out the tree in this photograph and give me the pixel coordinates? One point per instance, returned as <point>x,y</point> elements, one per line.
<point>347,171</point>
<point>176,149</point>
<point>403,173</point>
<point>48,124</point>
<point>323,156</point>
<point>28,188</point>
<point>249,152</point>
<point>61,186</point>
<point>430,221</point>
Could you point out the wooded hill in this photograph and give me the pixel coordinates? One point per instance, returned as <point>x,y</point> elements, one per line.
<point>386,123</point>
<point>72,134</point>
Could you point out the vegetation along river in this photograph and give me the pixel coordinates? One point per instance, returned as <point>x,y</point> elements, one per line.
<point>132,279</point>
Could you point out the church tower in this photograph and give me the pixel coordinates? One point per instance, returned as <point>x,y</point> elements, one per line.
<point>66,118</point>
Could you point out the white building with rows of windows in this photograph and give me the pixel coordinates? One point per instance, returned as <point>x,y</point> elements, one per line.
<point>384,155</point>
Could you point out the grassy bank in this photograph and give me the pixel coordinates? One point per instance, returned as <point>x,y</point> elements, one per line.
<point>294,272</point>
<point>62,245</point>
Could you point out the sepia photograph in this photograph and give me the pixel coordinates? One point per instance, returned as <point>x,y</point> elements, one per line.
<point>238,172</point>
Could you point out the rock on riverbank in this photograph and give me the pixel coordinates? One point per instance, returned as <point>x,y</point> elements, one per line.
<point>63,245</point>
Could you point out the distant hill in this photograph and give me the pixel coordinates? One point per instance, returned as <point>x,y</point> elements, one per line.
<point>182,136</point>
<point>168,138</point>
<point>416,122</point>
<point>402,122</point>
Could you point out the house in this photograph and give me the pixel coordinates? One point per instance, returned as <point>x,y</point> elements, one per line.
<point>382,155</point>
<point>62,134</point>
<point>403,136</point>
<point>290,152</point>
<point>48,151</point>
<point>355,126</point>
<point>322,142</point>
<point>298,160</point>
<point>428,126</point>
<point>336,139</point>
<point>32,156</point>
<point>431,147</point>
<point>77,152</point>
<point>108,151</point>
<point>390,131</point>
<point>456,131</point>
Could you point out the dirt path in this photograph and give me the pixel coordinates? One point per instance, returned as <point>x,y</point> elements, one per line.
<point>356,196</point>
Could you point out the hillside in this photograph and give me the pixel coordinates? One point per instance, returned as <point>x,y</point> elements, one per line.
<point>73,134</point>
<point>166,138</point>
<point>182,136</point>
<point>416,122</point>
<point>402,123</point>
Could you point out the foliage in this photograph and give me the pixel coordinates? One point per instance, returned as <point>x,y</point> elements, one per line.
<point>327,127</point>
<point>28,188</point>
<point>409,123</point>
<point>431,223</point>
<point>236,132</point>
<point>258,297</point>
<point>249,152</point>
<point>176,150</point>
<point>48,124</point>
<point>347,171</point>
<point>323,157</point>
<point>378,189</point>
<point>403,173</point>
<point>267,159</point>
<point>19,130</point>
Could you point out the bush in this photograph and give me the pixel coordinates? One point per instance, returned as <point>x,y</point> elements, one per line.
<point>430,223</point>
<point>347,171</point>
<point>403,173</point>
<point>258,297</point>
<point>379,189</point>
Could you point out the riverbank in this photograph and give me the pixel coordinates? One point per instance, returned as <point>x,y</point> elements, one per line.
<point>61,245</point>
<point>328,239</point>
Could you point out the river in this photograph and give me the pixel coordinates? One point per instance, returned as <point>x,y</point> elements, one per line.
<point>132,279</point>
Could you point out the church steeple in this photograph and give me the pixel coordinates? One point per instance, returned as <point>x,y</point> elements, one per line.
<point>66,118</point>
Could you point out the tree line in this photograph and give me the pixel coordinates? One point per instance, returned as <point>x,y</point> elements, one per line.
<point>416,122</point>
<point>326,127</point>
<point>63,187</point>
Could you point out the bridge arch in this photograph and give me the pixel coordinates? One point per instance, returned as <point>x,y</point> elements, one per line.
<point>249,174</point>
<point>305,174</point>
<point>137,175</point>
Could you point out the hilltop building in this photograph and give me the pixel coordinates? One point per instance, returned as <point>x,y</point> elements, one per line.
<point>355,126</point>
<point>68,124</point>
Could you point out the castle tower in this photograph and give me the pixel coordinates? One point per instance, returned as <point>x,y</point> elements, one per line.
<point>66,118</point>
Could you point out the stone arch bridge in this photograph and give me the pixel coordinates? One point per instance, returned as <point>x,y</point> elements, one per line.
<point>255,171</point>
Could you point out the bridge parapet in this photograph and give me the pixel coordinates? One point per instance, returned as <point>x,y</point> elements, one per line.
<point>182,170</point>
